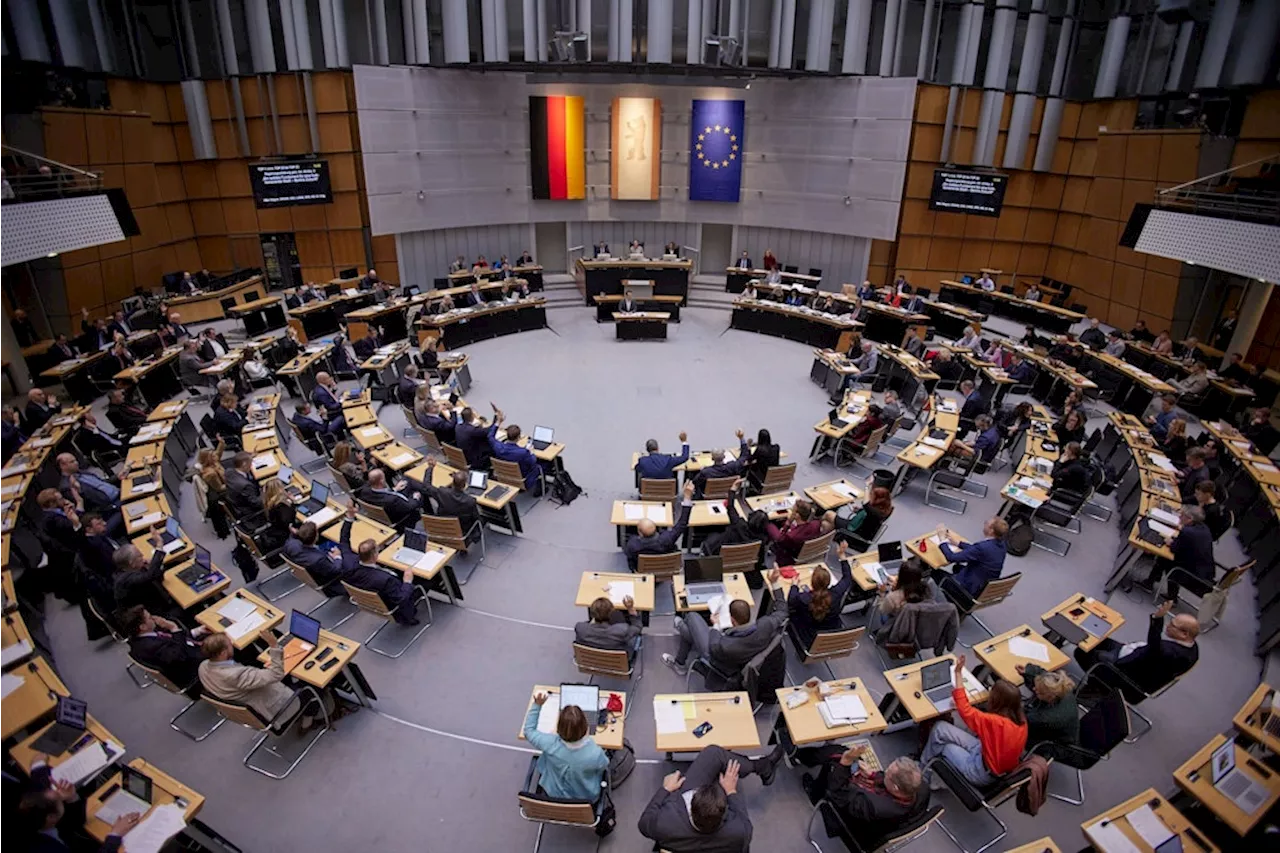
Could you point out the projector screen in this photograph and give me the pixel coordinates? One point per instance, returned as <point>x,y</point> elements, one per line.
<point>281,184</point>
<point>955,191</point>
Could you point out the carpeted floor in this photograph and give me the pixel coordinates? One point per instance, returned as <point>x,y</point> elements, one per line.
<point>437,765</point>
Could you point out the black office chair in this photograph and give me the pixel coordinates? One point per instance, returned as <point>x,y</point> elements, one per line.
<point>1079,308</point>
<point>227,304</point>
<point>791,269</point>
<point>1006,288</point>
<point>974,798</point>
<point>1103,727</point>
<point>923,292</point>
<point>815,272</point>
<point>252,296</point>
<point>439,283</point>
<point>836,828</point>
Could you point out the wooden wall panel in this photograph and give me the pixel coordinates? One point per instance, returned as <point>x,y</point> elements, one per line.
<point>186,256</point>
<point>331,92</point>
<point>980,227</point>
<point>169,185</point>
<point>926,143</point>
<point>1111,155</point>
<point>344,212</point>
<point>944,254</point>
<point>1012,224</point>
<point>179,218</point>
<point>208,220</point>
<point>164,148</point>
<point>913,251</point>
<point>200,180</point>
<point>346,249</point>
<point>1159,294</point>
<point>342,173</point>
<point>1121,316</point>
<point>135,134</point>
<point>1004,256</point>
<point>384,250</point>
<point>79,257</point>
<point>335,133</point>
<point>241,215</point>
<point>84,285</point>
<point>245,251</point>
<point>105,138</point>
<point>233,178</point>
<point>65,139</point>
<point>117,279</point>
<point>215,253</point>
<point>271,220</point>
<point>141,185</point>
<point>974,255</point>
<point>309,217</point>
<point>295,135</point>
<point>1126,285</point>
<point>313,249</point>
<point>1032,260</point>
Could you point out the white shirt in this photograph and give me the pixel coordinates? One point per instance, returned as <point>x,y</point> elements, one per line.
<point>218,349</point>
<point>986,283</point>
<point>255,369</point>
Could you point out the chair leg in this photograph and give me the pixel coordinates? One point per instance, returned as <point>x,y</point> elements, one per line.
<point>1004,830</point>
<point>262,582</point>
<point>1149,725</point>
<point>388,654</point>
<point>173,723</point>
<point>141,681</point>
<point>983,626</point>
<point>335,625</point>
<point>808,830</point>
<point>1079,789</point>
<point>831,672</point>
<point>537,841</point>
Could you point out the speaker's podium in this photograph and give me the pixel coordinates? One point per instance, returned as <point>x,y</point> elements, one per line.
<point>641,325</point>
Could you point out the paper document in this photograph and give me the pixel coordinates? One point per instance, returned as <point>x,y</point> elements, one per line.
<point>1026,648</point>
<point>1162,462</point>
<point>633,512</point>
<point>656,514</point>
<point>934,442</point>
<point>82,764</point>
<point>1163,530</point>
<point>371,432</point>
<point>847,706</point>
<point>323,517</point>
<point>1163,516</point>
<point>401,459</point>
<point>150,835</point>
<point>1148,824</point>
<point>9,490</point>
<point>429,560</point>
<point>250,623</point>
<point>236,609</point>
<point>618,590</point>
<point>668,717</point>
<point>17,651</point>
<point>174,545</point>
<point>550,714</point>
<point>10,683</point>
<point>262,460</point>
<point>149,519</point>
<point>845,489</point>
<point>1108,838</point>
<point>146,488</point>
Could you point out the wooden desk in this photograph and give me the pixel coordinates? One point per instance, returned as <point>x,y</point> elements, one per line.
<point>1195,777</point>
<point>905,681</point>
<point>153,504</point>
<point>387,557</point>
<point>25,754</point>
<point>1246,719</point>
<point>619,515</point>
<point>144,455</point>
<point>12,632</point>
<point>10,595</point>
<point>1172,818</point>
<point>606,737</point>
<point>732,724</point>
<point>37,696</point>
<point>805,724</point>
<point>933,557</point>
<point>396,455</point>
<point>374,435</point>
<point>595,585</point>
<point>363,528</point>
<point>258,441</point>
<point>996,654</point>
<point>441,475</point>
<point>212,619</point>
<point>359,416</point>
<point>1077,608</point>
<point>712,513</point>
<point>164,790</point>
<point>836,493</point>
<point>735,589</point>
<point>341,649</point>
<point>1040,845</point>
<point>184,595</point>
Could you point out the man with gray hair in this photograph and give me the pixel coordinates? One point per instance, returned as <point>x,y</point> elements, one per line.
<point>872,805</point>
<point>190,364</point>
<point>1192,549</point>
<point>721,467</point>
<point>137,580</point>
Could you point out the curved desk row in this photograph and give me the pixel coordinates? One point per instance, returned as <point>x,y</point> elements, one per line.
<point>670,278</point>
<point>827,331</point>
<point>736,279</point>
<point>213,304</point>
<point>461,327</point>
<point>531,273</point>
<point>1040,314</point>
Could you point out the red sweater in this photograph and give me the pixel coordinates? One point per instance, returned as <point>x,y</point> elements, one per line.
<point>1002,739</point>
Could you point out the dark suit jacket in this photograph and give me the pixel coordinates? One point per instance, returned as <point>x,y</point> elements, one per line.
<point>126,417</point>
<point>661,466</point>
<point>617,635</point>
<point>455,504</point>
<point>365,347</point>
<point>38,416</point>
<point>69,827</point>
<point>227,422</point>
<point>406,388</point>
<point>1160,661</point>
<point>324,569</point>
<point>308,426</point>
<point>206,348</point>
<point>243,494</point>
<point>666,821</point>
<point>124,328</point>
<point>1193,550</point>
<point>1072,476</point>
<point>870,813</point>
<point>973,406</point>
<point>733,649</point>
<point>445,429</point>
<point>11,438</point>
<point>323,398</point>
<point>662,542</point>
<point>63,351</point>
<point>96,552</point>
<point>388,586</point>
<point>175,655</point>
<point>400,508</point>
<point>143,587</point>
<point>24,331</point>
<point>474,443</point>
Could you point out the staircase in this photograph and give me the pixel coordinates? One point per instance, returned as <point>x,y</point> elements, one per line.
<point>560,291</point>
<point>707,291</point>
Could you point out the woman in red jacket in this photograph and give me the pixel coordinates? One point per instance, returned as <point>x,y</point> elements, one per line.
<point>999,734</point>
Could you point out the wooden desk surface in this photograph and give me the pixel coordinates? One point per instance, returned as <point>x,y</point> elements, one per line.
<point>933,557</point>
<point>1078,607</point>
<point>144,455</point>
<point>36,697</point>
<point>1246,719</point>
<point>805,723</point>
<point>10,595</point>
<point>13,630</point>
<point>607,737</point>
<point>184,595</point>
<point>211,617</point>
<point>136,372</point>
<point>359,416</point>
<point>167,411</point>
<point>153,503</point>
<point>1040,845</point>
<point>712,513</point>
<point>273,465</point>
<point>619,515</point>
<point>387,557</point>
<point>396,455</point>
<point>997,655</point>
<point>255,305</point>
<point>340,648</point>
<point>25,755</point>
<point>373,435</point>
<point>735,589</point>
<point>164,790</point>
<point>1195,777</point>
<point>595,585</point>
<point>441,475</point>
<point>1171,817</point>
<point>642,317</point>
<point>363,528</point>
<point>303,360</point>
<point>258,441</point>
<point>63,369</point>
<point>905,681</point>
<point>732,724</point>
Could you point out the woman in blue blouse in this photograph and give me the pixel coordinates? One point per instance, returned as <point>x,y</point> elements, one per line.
<point>572,765</point>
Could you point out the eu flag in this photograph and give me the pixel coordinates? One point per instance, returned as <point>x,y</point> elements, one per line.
<point>715,150</point>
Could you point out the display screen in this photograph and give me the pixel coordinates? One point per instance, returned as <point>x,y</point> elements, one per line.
<point>967,192</point>
<point>280,184</point>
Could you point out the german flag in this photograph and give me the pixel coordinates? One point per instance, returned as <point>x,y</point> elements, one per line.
<point>557,155</point>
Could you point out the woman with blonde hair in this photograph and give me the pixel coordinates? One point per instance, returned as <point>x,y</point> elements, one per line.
<point>281,514</point>
<point>1175,442</point>
<point>421,398</point>
<point>1052,713</point>
<point>211,487</point>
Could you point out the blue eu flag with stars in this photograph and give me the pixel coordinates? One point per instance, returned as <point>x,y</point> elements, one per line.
<point>715,150</point>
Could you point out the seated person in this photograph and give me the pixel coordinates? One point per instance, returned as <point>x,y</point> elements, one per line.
<point>88,491</point>
<point>244,494</point>
<point>1115,345</point>
<point>1163,344</point>
<point>701,810</point>
<point>1196,472</point>
<point>166,646</point>
<point>571,765</point>
<point>50,818</point>
<point>974,404</point>
<point>327,398</point>
<point>1215,518</point>
<point>361,570</point>
<point>137,580</point>
<point>1175,443</point>
<point>453,501</point>
<point>947,368</point>
<point>473,440</point>
<point>511,451</point>
<point>41,408</point>
<point>1070,473</point>
<point>1070,427</point>
<point>127,418</point>
<point>802,524</point>
<point>866,522</point>
<point>1020,370</point>
<point>402,508</point>
<point>1053,716</point>
<point>995,739</point>
<point>260,688</point>
<point>1033,293</point>
<point>1015,420</point>
<point>1032,338</point>
<point>730,650</point>
<point>871,421</point>
<point>1260,431</point>
<point>977,563</point>
<point>985,446</point>
<point>1192,549</point>
<point>721,467</point>
<point>313,429</point>
<point>912,585</point>
<point>971,339</point>
<point>647,539</point>
<point>1195,382</point>
<point>872,804</point>
<point>1141,333</point>
<point>661,466</point>
<point>322,562</point>
<point>1093,337</point>
<point>281,515</point>
<point>609,628</point>
<point>1165,655</point>
<point>367,346</point>
<point>440,420</point>
<point>1189,351</point>
<point>352,464</point>
<point>407,387</point>
<point>816,608</point>
<point>1236,371</point>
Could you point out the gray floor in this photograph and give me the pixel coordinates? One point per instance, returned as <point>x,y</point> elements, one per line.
<point>437,765</point>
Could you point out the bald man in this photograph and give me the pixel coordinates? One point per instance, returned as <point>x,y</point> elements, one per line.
<point>1152,664</point>
<point>360,569</point>
<point>90,492</point>
<point>647,539</point>
<point>401,507</point>
<point>40,409</point>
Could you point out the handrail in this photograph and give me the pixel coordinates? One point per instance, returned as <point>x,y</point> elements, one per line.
<point>9,149</point>
<point>1275,156</point>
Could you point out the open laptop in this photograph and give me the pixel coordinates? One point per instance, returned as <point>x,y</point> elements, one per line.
<point>833,417</point>
<point>890,556</point>
<point>414,547</point>
<point>936,681</point>
<point>132,794</point>
<point>143,483</point>
<point>133,510</point>
<point>285,476</point>
<point>1148,535</point>
<point>171,537</point>
<point>477,482</point>
<point>543,437</point>
<point>70,718</point>
<point>198,573</point>
<point>302,639</point>
<point>586,697</point>
<point>703,579</point>
<point>1233,783</point>
<point>315,503</point>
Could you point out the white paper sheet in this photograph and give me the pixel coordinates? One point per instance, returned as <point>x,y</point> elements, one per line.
<point>149,519</point>
<point>668,717</point>
<point>846,706</point>
<point>429,560</point>
<point>83,764</point>
<point>1030,649</point>
<point>402,459</point>
<point>633,512</point>
<point>17,651</point>
<point>236,609</point>
<point>175,545</point>
<point>618,590</point>
<point>1163,516</point>
<point>1162,529</point>
<point>549,715</point>
<point>250,623</point>
<point>845,489</point>
<point>10,490</point>
<point>371,432</point>
<point>323,517</point>
<point>10,683</point>
<point>262,460</point>
<point>1108,838</point>
<point>1148,824</point>
<point>1162,462</point>
<point>656,514</point>
<point>150,835</point>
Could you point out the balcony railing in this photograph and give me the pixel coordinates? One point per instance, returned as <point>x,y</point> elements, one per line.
<point>30,177</point>
<point>1229,194</point>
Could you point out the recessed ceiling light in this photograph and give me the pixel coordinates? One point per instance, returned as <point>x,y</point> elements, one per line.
<point>52,255</point>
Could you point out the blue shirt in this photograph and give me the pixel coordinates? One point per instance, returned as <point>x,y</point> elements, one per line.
<point>661,466</point>
<point>987,444</point>
<point>110,493</point>
<point>1022,372</point>
<point>511,452</point>
<point>976,563</point>
<point>570,771</point>
<point>1161,426</point>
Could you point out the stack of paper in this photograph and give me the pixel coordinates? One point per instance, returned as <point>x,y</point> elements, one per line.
<point>262,460</point>
<point>549,714</point>
<point>17,651</point>
<point>1148,824</point>
<point>249,623</point>
<point>401,459</point>
<point>847,707</point>
<point>1163,530</point>
<point>1163,516</point>
<point>323,517</point>
<point>633,512</point>
<point>160,825</point>
<point>934,442</point>
<point>1107,838</point>
<point>82,764</point>
<point>619,590</point>
<point>1030,649</point>
<point>668,717</point>
<point>10,683</point>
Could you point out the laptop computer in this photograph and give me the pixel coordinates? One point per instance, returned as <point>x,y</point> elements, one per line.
<point>936,682</point>
<point>703,579</point>
<point>833,417</point>
<point>477,481</point>
<point>890,555</point>
<point>132,794</point>
<point>143,482</point>
<point>302,639</point>
<point>1233,783</point>
<point>315,503</point>
<point>171,537</point>
<point>1066,629</point>
<point>70,718</point>
<point>543,437</point>
<point>198,573</point>
<point>586,697</point>
<point>1148,535</point>
<point>285,476</point>
<point>133,510</point>
<point>414,547</point>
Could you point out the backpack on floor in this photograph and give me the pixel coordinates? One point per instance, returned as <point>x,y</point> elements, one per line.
<point>563,489</point>
<point>245,562</point>
<point>621,763</point>
<point>1018,540</point>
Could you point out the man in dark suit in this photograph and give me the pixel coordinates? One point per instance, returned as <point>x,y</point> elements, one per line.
<point>213,345</point>
<point>444,425</point>
<point>744,262</point>
<point>1020,370</point>
<point>1236,371</point>
<point>325,397</point>
<point>40,409</point>
<point>98,547</point>
<point>137,580</point>
<point>311,428</point>
<point>187,285</point>
<point>647,539</point>
<point>974,405</point>
<point>176,325</point>
<point>525,259</point>
<point>226,420</point>
<point>91,438</point>
<point>160,644</point>
<point>362,571</point>
<point>367,346</point>
<point>1069,472</point>
<point>453,501</point>
<point>473,440</point>
<point>871,804</point>
<point>87,490</point>
<point>126,418</point>
<point>49,814</point>
<point>729,650</point>
<point>722,467</point>
<point>601,248</point>
<point>407,387</point>
<point>24,331</point>
<point>1192,549</point>
<point>947,368</point>
<point>627,305</point>
<point>702,811</point>
<point>369,281</point>
<point>323,564</point>
<point>1196,472</point>
<point>1152,664</point>
<point>403,509</point>
<point>11,435</point>
<point>977,563</point>
<point>61,350</point>
<point>94,335</point>
<point>243,492</point>
<point>661,466</point>
<point>610,628</point>
<point>120,325</point>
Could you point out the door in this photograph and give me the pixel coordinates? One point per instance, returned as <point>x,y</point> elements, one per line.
<point>552,246</point>
<point>716,248</point>
<point>280,264</point>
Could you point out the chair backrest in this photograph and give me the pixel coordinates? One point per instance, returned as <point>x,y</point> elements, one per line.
<point>410,416</point>
<point>1232,577</point>
<point>660,565</point>
<point>431,440</point>
<point>157,676</point>
<point>247,541</point>
<point>508,473</point>
<point>445,529</point>
<point>236,713</point>
<point>996,591</point>
<point>543,809</point>
<point>816,548</point>
<point>367,600</point>
<point>301,574</point>
<point>374,511</point>
<point>833,644</point>
<point>608,662</point>
<point>740,558</point>
<point>455,456</point>
<point>1105,725</point>
<point>340,479</point>
<point>657,490</point>
<point>778,478</point>
<point>716,488</point>
<point>751,673</point>
<point>873,441</point>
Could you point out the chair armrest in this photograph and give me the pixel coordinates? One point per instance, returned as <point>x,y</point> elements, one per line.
<point>1066,753</point>
<point>957,595</point>
<point>1122,679</point>
<point>969,796</point>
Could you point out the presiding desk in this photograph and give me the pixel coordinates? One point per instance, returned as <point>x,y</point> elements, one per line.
<point>260,315</point>
<point>805,325</point>
<point>463,326</point>
<point>597,276</point>
<point>214,304</point>
<point>607,304</point>
<point>641,325</point>
<point>736,279</point>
